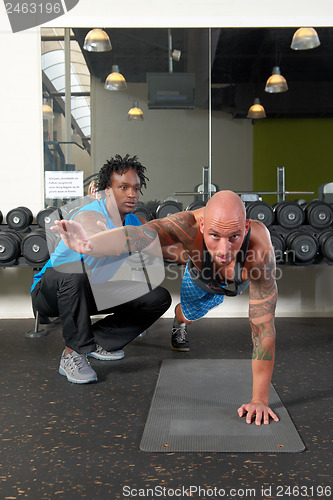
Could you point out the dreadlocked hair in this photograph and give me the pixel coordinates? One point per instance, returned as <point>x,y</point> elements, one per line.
<point>119,166</point>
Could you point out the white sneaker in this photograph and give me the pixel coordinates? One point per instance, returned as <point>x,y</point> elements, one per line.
<point>76,368</point>
<point>104,355</point>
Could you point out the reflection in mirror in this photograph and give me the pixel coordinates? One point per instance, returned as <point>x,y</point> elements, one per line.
<point>194,87</point>
<point>166,72</point>
<point>246,153</point>
<point>66,145</point>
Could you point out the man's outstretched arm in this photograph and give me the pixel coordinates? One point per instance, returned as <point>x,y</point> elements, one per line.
<point>178,228</point>
<point>263,298</point>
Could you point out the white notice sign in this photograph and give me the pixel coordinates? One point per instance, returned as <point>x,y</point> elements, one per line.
<point>63,184</point>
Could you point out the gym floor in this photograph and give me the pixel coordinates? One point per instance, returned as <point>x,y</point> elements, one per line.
<point>65,441</point>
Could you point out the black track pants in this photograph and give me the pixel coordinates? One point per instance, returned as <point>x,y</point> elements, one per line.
<point>70,297</point>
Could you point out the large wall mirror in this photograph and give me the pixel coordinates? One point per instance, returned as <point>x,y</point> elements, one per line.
<point>195,88</point>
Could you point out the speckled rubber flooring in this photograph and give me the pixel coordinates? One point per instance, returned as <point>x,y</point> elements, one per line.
<point>67,441</point>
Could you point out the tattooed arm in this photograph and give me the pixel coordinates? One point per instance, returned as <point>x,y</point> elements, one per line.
<point>94,222</point>
<point>263,297</point>
<point>178,228</point>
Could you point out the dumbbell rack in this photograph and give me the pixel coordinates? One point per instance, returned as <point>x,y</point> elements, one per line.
<point>301,234</point>
<point>318,260</point>
<point>22,262</point>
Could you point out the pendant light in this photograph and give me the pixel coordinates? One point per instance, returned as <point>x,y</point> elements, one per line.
<point>256,111</point>
<point>305,39</point>
<point>135,112</point>
<point>115,81</point>
<point>97,40</point>
<point>276,82</point>
<point>47,110</point>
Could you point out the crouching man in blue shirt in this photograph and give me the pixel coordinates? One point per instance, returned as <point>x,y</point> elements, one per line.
<point>69,295</point>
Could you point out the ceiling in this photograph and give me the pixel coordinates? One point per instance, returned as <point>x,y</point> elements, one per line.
<point>242,60</point>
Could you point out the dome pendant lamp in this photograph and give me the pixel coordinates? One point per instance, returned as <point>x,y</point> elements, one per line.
<point>305,39</point>
<point>135,113</point>
<point>276,82</point>
<point>97,40</point>
<point>115,81</point>
<point>256,111</point>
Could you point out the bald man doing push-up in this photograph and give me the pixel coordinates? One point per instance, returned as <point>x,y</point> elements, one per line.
<point>226,253</point>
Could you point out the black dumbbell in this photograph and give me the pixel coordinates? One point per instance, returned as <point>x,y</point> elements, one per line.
<point>325,241</point>
<point>1,217</point>
<point>302,246</point>
<point>143,212</point>
<point>10,247</point>
<point>279,246</point>
<point>53,239</point>
<point>289,214</point>
<point>319,214</point>
<point>168,208</point>
<point>261,211</point>
<point>196,204</point>
<point>19,218</point>
<point>43,217</point>
<point>34,247</point>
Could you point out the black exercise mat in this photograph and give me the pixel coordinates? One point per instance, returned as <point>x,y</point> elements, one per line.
<point>194,408</point>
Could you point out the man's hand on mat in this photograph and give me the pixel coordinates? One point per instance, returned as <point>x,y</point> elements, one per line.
<point>258,410</point>
<point>73,235</point>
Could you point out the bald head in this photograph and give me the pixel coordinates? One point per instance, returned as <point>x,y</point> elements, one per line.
<point>224,226</point>
<point>226,206</point>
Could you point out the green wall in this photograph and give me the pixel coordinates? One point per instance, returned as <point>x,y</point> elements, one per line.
<point>303,146</point>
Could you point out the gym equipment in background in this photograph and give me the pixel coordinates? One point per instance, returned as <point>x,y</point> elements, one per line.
<point>44,216</point>
<point>279,246</point>
<point>261,211</point>
<point>196,204</point>
<point>318,214</point>
<point>302,247</point>
<point>19,218</point>
<point>144,212</point>
<point>34,247</point>
<point>289,214</point>
<point>325,241</point>
<point>10,247</point>
<point>168,208</point>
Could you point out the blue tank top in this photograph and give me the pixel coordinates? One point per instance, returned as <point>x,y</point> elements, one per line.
<point>101,269</point>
